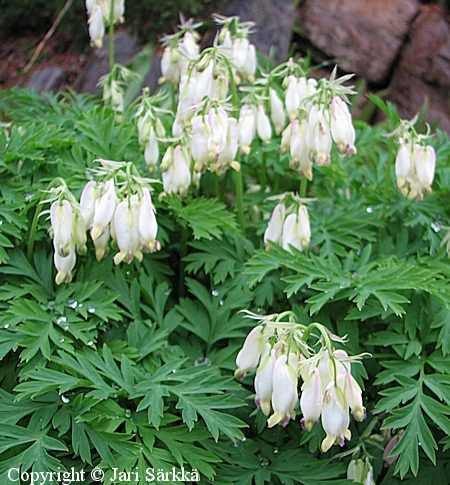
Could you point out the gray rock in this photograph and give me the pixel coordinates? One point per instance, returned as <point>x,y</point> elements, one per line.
<point>47,79</point>
<point>365,37</point>
<point>274,21</point>
<point>424,68</point>
<point>125,48</point>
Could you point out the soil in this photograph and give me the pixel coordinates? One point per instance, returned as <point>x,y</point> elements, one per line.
<point>59,51</point>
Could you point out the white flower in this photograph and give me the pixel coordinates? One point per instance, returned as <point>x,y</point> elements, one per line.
<point>311,400</point>
<point>170,65</point>
<point>199,143</point>
<point>204,82</point>
<point>335,417</point>
<point>119,11</point>
<point>101,243</point>
<point>263,127</point>
<point>96,26</point>
<point>292,98</point>
<point>64,265</point>
<point>186,100</point>
<point>240,49</point>
<point>284,394</point>
<point>402,165</point>
<point>352,395</point>
<point>229,149</point>
<point>318,138</point>
<point>126,225</point>
<point>425,161</point>
<point>247,127</point>
<point>249,68</point>
<point>263,379</point>
<point>177,177</point>
<point>342,129</point>
<point>277,114</point>
<point>274,230</point>
<point>296,230</point>
<point>218,124</point>
<point>104,209</point>
<point>148,227</point>
<point>248,357</point>
<point>151,152</point>
<point>87,202</point>
<point>61,218</point>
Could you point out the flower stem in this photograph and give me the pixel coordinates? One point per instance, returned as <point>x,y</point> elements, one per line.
<point>111,37</point>
<point>263,173</point>
<point>34,223</point>
<point>303,185</point>
<point>388,182</point>
<point>240,200</point>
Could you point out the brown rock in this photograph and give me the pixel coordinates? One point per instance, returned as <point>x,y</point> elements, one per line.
<point>365,36</point>
<point>424,68</point>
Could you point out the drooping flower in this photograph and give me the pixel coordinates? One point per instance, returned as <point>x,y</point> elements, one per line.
<point>335,417</point>
<point>263,127</point>
<point>96,26</point>
<point>284,393</point>
<point>342,129</point>
<point>274,230</point>
<point>277,114</point>
<point>61,218</point>
<point>311,400</point>
<point>248,357</point>
<point>126,225</point>
<point>104,209</point>
<point>148,227</point>
<point>264,379</point>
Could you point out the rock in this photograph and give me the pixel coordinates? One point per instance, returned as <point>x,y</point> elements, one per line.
<point>46,79</point>
<point>365,36</point>
<point>125,48</point>
<point>274,21</point>
<point>424,68</point>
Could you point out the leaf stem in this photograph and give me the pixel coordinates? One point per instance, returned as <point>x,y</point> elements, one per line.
<point>183,253</point>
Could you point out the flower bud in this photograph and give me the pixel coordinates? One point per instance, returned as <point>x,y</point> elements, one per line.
<point>292,98</point>
<point>126,225</point>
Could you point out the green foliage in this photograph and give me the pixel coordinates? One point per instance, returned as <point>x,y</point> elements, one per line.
<point>130,366</point>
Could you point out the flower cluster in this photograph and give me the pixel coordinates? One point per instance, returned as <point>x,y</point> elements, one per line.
<point>289,225</point>
<point>99,13</point>
<point>119,208</point>
<point>318,115</point>
<point>415,163</point>
<point>279,352</point>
